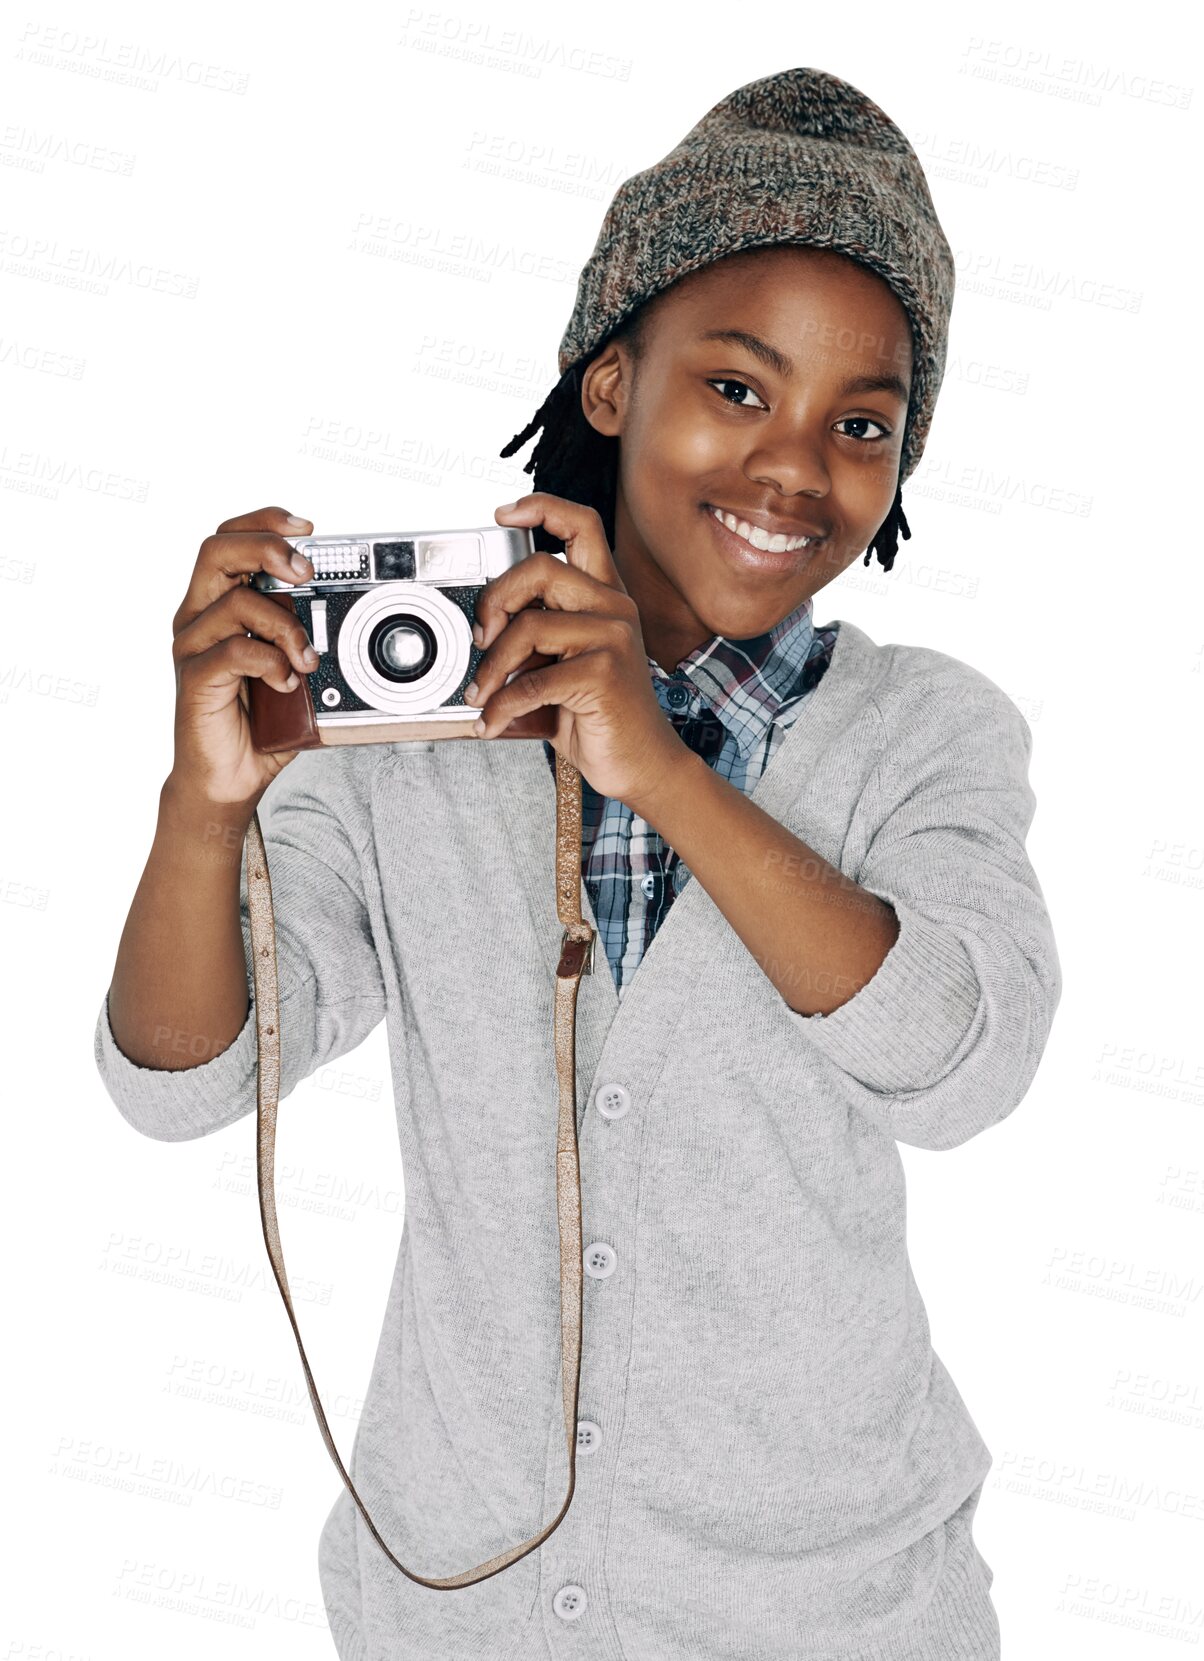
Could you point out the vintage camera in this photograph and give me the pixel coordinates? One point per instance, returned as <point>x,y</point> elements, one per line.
<point>391,616</point>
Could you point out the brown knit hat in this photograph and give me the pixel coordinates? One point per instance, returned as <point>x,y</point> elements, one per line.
<point>799,157</point>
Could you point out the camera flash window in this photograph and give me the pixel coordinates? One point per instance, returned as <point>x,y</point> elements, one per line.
<point>458,556</point>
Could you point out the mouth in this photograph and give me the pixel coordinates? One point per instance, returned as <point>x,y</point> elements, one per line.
<point>756,549</point>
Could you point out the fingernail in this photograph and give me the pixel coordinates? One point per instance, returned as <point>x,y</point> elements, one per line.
<point>505,507</point>
<point>291,682</point>
<point>471,691</point>
<point>479,727</point>
<point>478,634</point>
<point>293,520</point>
<point>298,563</point>
<point>309,656</point>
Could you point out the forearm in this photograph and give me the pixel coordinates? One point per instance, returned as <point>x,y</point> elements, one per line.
<point>816,935</point>
<point>179,995</point>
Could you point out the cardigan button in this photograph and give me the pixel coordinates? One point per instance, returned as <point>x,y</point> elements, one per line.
<point>612,1100</point>
<point>589,1435</point>
<point>599,1259</point>
<point>569,1602</point>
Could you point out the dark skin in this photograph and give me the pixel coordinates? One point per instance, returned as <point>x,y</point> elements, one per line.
<point>701,424</point>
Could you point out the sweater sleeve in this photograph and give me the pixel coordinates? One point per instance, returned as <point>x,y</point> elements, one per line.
<point>944,1039</point>
<point>331,989</point>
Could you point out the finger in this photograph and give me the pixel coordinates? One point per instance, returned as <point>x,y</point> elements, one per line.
<point>244,611</point>
<point>238,658</point>
<point>267,519</point>
<point>228,558</point>
<point>572,684</point>
<point>578,527</point>
<point>543,577</point>
<point>554,633</point>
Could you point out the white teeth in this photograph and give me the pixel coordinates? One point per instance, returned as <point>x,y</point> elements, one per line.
<point>758,538</point>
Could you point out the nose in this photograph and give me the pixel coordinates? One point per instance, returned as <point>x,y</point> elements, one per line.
<point>791,462</point>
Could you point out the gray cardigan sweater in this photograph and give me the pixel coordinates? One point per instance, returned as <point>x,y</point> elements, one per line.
<point>773,1461</point>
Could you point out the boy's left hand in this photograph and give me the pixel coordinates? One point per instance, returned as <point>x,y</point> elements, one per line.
<point>608,721</point>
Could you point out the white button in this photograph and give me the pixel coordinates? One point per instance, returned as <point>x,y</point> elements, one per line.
<point>588,1436</point>
<point>599,1259</point>
<point>569,1602</point>
<point>648,884</point>
<point>681,877</point>
<point>612,1100</point>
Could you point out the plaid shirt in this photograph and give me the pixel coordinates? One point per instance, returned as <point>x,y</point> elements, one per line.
<point>732,702</point>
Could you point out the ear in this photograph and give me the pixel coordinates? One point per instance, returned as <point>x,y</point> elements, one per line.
<point>605,389</point>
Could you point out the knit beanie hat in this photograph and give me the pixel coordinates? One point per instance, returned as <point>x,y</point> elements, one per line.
<point>798,157</point>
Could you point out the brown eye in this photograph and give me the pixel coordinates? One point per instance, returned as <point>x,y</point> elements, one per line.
<point>865,421</point>
<point>730,381</point>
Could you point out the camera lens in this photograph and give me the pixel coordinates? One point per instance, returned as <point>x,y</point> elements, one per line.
<point>404,648</point>
<point>401,647</point>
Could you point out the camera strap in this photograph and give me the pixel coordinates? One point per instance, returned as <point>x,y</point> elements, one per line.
<point>576,959</point>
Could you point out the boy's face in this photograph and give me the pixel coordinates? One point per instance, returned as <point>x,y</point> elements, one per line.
<point>708,423</point>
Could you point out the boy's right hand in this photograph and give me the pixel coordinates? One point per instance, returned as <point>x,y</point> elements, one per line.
<point>215,761</point>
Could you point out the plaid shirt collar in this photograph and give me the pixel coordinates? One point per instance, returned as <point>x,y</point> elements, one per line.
<point>743,683</point>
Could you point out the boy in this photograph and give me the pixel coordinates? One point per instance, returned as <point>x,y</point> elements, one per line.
<point>804,853</point>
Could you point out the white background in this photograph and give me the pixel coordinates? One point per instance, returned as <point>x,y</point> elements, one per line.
<point>237,342</point>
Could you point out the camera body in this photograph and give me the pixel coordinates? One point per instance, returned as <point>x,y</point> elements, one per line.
<point>390,614</point>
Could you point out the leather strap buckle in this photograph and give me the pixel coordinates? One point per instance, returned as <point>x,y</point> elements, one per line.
<point>576,957</point>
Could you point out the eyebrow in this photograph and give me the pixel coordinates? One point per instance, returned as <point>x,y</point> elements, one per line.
<point>781,364</point>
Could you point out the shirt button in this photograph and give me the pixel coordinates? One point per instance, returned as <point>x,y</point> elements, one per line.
<point>599,1260</point>
<point>678,695</point>
<point>569,1602</point>
<point>612,1100</point>
<point>589,1435</point>
<point>681,876</point>
<point>648,884</point>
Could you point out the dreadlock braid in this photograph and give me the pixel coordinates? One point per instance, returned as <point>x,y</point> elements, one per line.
<point>885,540</point>
<point>574,461</point>
<point>571,458</point>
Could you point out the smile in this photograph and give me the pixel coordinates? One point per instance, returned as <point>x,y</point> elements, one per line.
<point>760,539</point>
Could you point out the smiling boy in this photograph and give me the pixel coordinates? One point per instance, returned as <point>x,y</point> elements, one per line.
<point>805,853</point>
